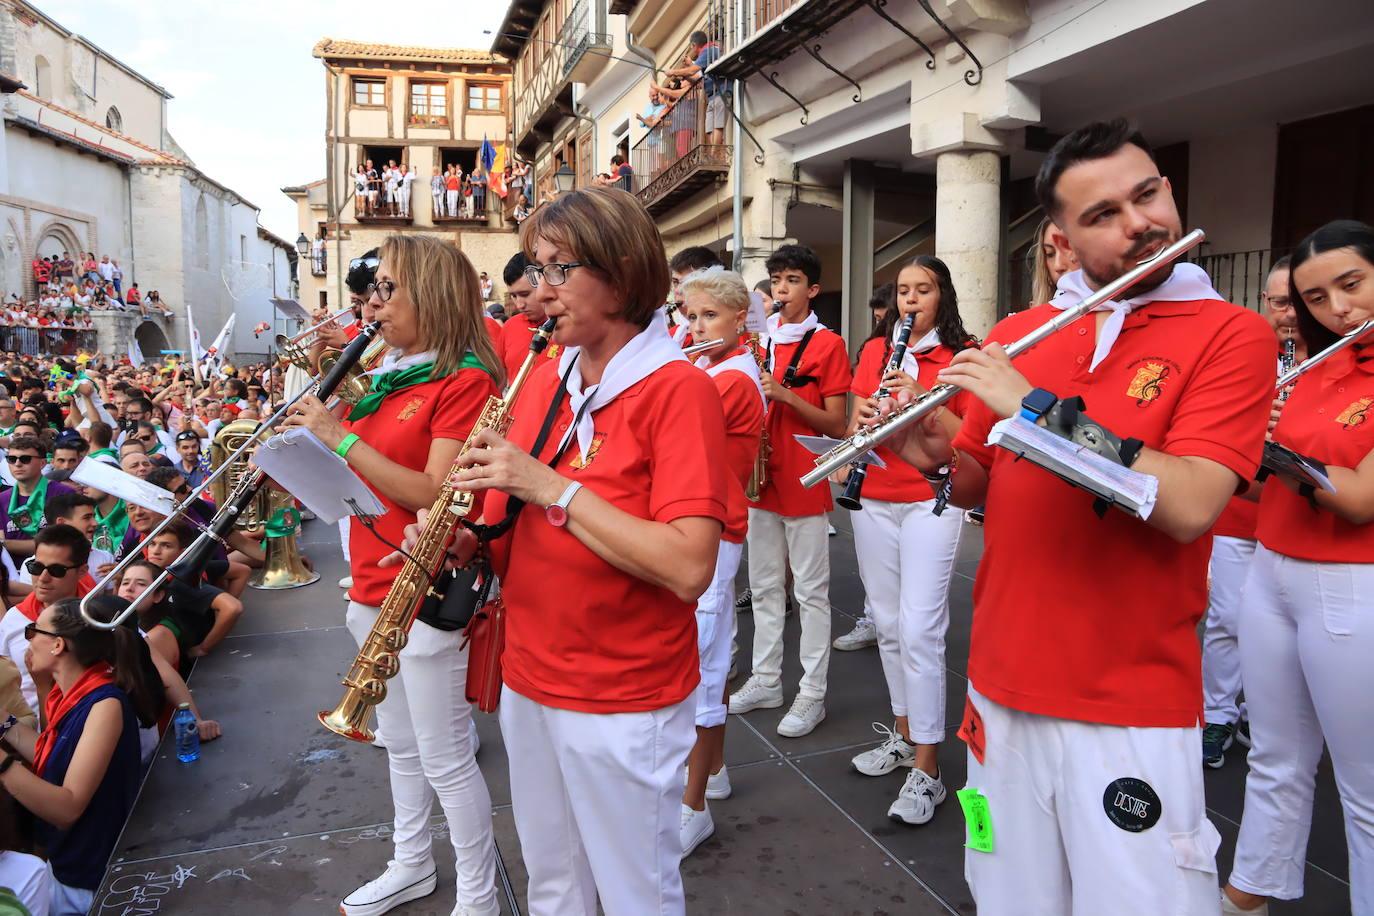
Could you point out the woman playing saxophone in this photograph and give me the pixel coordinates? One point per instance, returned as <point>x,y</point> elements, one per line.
<point>402,439</point>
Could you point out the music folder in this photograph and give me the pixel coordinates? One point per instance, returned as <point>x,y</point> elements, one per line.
<point>131,489</point>
<point>309,470</point>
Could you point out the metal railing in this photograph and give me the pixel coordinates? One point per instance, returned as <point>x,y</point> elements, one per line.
<point>46,341</point>
<point>558,59</point>
<point>1239,275</point>
<point>576,35</point>
<point>757,14</point>
<point>319,262</point>
<point>679,141</point>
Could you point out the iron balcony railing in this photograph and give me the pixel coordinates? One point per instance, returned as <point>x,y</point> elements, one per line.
<point>319,262</point>
<point>1239,275</point>
<point>557,61</point>
<point>46,341</point>
<point>676,146</point>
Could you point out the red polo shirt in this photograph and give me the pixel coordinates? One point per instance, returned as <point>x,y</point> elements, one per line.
<point>401,429</point>
<point>899,482</point>
<point>743,405</point>
<point>1330,417</point>
<point>1096,619</point>
<point>1237,520</point>
<point>826,361</point>
<point>580,633</point>
<point>514,343</point>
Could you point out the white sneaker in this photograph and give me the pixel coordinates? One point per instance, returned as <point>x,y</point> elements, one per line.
<point>697,828</point>
<point>864,634</point>
<point>830,530</point>
<point>718,785</point>
<point>894,752</point>
<point>467,909</point>
<point>806,713</point>
<point>397,885</point>
<point>1230,909</point>
<point>346,582</point>
<point>916,802</point>
<point>755,694</point>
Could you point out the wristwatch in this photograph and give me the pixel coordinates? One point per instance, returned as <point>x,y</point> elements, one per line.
<point>1038,403</point>
<point>557,514</point>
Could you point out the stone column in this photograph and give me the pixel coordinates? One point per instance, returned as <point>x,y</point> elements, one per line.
<point>967,214</point>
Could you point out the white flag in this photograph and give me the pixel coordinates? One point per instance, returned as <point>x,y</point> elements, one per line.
<point>197,351</point>
<point>135,354</point>
<point>215,355</point>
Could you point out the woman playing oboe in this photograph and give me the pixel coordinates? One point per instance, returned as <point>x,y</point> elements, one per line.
<point>906,551</point>
<point>614,457</point>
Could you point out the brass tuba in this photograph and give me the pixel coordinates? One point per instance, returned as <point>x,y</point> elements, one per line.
<point>227,440</point>
<point>283,566</point>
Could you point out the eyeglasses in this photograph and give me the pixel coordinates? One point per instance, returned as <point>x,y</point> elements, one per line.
<point>56,570</point>
<point>556,274</point>
<point>32,628</point>
<point>20,459</point>
<point>1277,303</point>
<point>383,290</point>
<point>369,263</point>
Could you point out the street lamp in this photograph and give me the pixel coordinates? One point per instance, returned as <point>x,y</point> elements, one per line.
<point>302,245</point>
<point>564,179</point>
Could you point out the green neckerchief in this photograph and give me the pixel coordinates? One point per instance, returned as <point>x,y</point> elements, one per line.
<point>115,525</point>
<point>28,517</point>
<point>156,448</point>
<point>389,382</point>
<point>104,451</point>
<point>9,431</point>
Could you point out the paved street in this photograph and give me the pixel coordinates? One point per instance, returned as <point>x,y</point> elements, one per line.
<point>282,817</point>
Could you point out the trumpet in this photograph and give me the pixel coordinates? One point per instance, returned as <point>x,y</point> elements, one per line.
<point>1293,373</point>
<point>852,496</point>
<point>869,438</point>
<point>379,659</point>
<point>694,349</point>
<point>191,564</point>
<point>296,350</point>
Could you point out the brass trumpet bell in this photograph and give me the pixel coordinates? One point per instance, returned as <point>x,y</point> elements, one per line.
<point>283,567</point>
<point>357,385</point>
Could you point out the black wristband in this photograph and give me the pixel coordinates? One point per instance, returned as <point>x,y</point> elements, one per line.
<point>7,763</point>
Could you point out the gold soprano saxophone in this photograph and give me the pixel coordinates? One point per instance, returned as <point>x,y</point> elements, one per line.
<point>759,478</point>
<point>379,659</point>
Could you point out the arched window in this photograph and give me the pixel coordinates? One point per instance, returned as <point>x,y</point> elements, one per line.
<point>113,120</point>
<point>42,77</point>
<point>202,235</point>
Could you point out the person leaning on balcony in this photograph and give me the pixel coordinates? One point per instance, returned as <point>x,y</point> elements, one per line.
<point>703,53</point>
<point>652,116</point>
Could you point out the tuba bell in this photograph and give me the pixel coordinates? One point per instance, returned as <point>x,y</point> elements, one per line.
<point>283,566</point>
<point>229,437</point>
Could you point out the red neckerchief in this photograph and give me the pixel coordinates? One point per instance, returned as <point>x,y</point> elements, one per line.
<point>58,704</point>
<point>30,607</point>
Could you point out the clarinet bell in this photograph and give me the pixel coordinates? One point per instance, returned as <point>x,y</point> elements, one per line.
<point>853,489</point>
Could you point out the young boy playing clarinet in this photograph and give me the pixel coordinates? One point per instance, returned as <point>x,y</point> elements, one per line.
<point>805,380</point>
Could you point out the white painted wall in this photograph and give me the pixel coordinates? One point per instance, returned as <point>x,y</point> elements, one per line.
<point>59,184</point>
<point>1231,187</point>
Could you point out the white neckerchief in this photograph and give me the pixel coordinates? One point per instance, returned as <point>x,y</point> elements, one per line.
<point>647,352</point>
<point>780,333</point>
<point>679,333</point>
<point>741,362</point>
<point>930,341</point>
<point>396,361</point>
<point>1186,283</point>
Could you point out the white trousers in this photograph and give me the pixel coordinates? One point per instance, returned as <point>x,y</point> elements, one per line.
<point>1058,792</point>
<point>344,524</point>
<point>1307,657</point>
<point>403,195</point>
<point>438,203</point>
<point>597,801</point>
<point>1221,680</point>
<point>774,542</point>
<point>427,726</point>
<point>452,203</point>
<point>715,633</point>
<point>906,559</point>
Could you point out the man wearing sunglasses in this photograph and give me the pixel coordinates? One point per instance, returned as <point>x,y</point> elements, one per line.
<point>58,570</point>
<point>22,506</point>
<point>189,458</point>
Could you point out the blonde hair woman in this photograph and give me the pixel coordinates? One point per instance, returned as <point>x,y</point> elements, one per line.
<point>1052,261</point>
<point>402,439</point>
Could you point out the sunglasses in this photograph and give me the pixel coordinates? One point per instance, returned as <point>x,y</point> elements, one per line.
<point>56,570</point>
<point>32,628</point>
<point>20,459</point>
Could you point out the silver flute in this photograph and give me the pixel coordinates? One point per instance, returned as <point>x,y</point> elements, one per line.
<point>1312,362</point>
<point>869,438</point>
<point>702,347</point>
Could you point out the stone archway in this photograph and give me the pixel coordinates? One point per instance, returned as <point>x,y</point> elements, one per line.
<point>151,341</point>
<point>55,237</point>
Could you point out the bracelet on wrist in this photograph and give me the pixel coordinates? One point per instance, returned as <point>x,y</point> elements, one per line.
<point>346,443</point>
<point>10,722</point>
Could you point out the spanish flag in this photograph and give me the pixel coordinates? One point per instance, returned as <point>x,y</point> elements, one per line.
<point>497,179</point>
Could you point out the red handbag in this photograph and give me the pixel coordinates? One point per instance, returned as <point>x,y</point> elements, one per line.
<point>486,641</point>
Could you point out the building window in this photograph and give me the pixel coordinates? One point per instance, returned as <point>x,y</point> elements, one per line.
<point>484,97</point>
<point>369,92</point>
<point>113,120</point>
<point>429,103</point>
<point>42,77</point>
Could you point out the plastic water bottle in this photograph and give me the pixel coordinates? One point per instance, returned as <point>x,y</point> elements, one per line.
<point>188,736</point>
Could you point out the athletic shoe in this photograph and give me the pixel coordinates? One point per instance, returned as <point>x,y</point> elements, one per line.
<point>830,530</point>
<point>697,828</point>
<point>346,582</point>
<point>745,601</point>
<point>863,635</point>
<point>806,713</point>
<point>755,694</point>
<point>467,909</point>
<point>718,785</point>
<point>1216,740</point>
<point>916,802</point>
<point>894,752</point>
<point>1230,909</point>
<point>976,516</point>
<point>397,885</point>
<point>1242,732</point>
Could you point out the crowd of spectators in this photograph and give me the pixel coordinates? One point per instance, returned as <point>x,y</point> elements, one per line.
<point>69,289</point>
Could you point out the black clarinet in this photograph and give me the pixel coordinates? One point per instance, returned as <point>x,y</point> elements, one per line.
<point>858,471</point>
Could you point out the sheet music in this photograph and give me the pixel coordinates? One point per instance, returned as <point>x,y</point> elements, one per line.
<point>1287,463</point>
<point>131,489</point>
<point>309,470</point>
<point>1129,490</point>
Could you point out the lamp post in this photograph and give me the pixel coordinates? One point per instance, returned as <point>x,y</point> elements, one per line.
<point>564,179</point>
<point>302,245</point>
